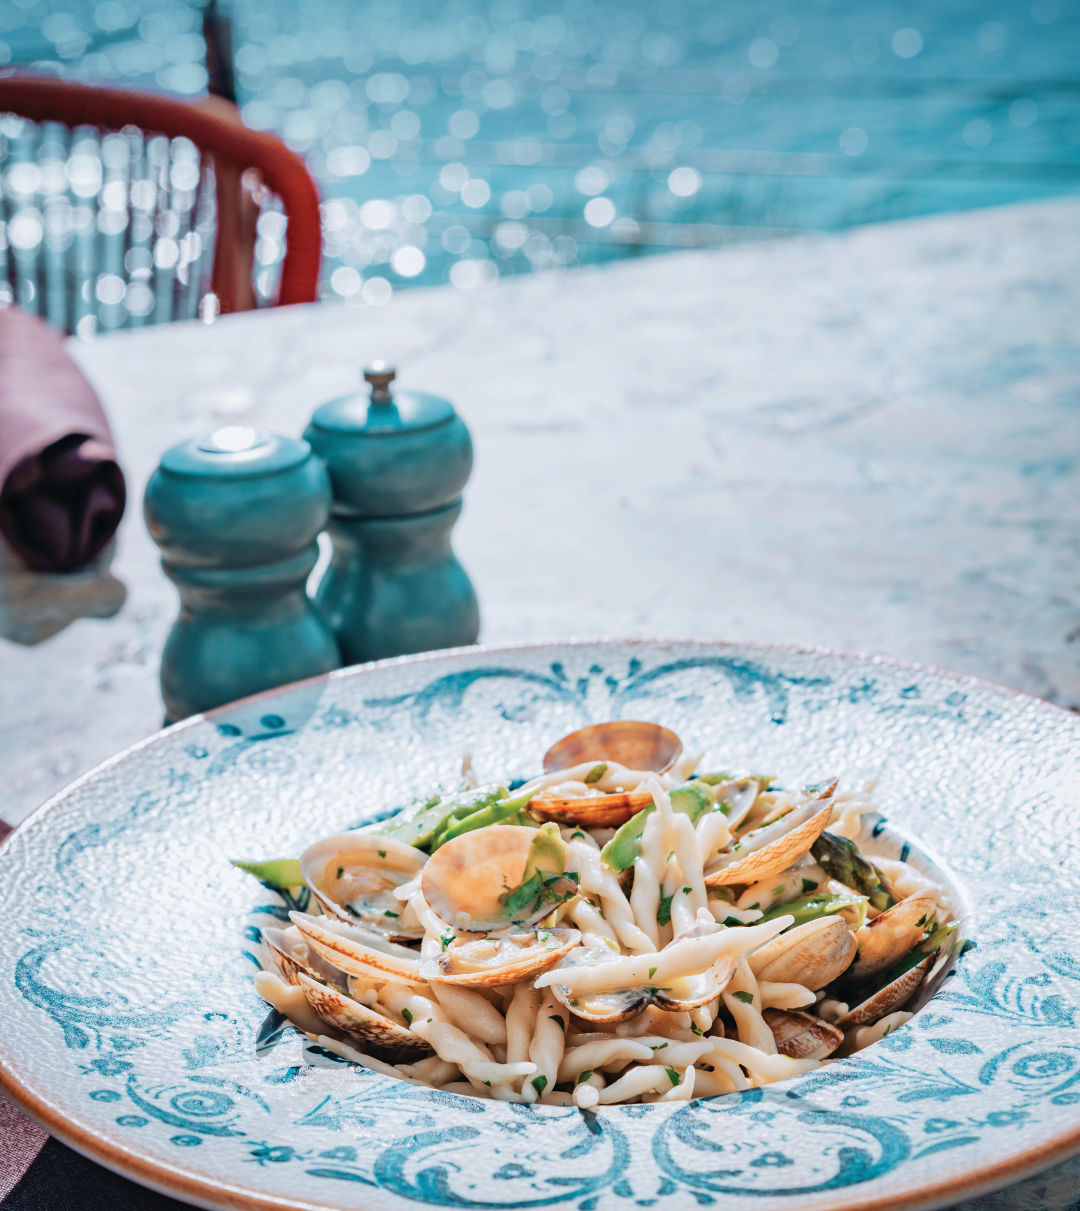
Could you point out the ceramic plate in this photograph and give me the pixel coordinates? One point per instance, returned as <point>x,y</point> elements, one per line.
<point>129,1027</point>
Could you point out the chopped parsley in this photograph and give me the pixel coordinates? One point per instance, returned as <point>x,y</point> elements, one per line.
<point>809,885</point>
<point>408,1016</point>
<point>731,922</point>
<point>686,891</point>
<point>340,871</point>
<point>696,1029</point>
<point>673,1076</point>
<point>446,939</point>
<point>388,913</point>
<point>596,773</point>
<point>659,1046</point>
<point>663,912</point>
<point>488,1083</point>
<point>382,853</point>
<point>747,998</point>
<point>538,893</point>
<point>778,891</point>
<point>584,1075</point>
<point>652,972</point>
<point>539,1083</point>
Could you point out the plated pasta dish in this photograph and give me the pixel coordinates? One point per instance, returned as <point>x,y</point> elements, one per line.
<point>624,927</point>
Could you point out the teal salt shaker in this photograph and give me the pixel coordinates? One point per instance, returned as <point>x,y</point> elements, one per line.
<point>237,515</point>
<point>398,461</point>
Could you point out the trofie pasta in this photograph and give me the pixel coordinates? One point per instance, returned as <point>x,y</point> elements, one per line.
<point>621,928</point>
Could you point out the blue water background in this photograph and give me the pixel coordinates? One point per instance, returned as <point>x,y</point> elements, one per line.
<point>463,141</point>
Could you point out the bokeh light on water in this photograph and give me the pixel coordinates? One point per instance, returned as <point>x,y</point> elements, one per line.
<point>460,141</point>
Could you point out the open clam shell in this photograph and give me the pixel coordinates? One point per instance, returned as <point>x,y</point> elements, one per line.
<point>888,999</point>
<point>736,798</point>
<point>892,934</point>
<point>379,1034</point>
<point>630,742</point>
<point>599,1008</point>
<point>293,955</point>
<point>466,880</point>
<point>506,958</point>
<point>357,951</point>
<point>696,990</point>
<point>813,954</point>
<point>801,1035</point>
<point>769,850</point>
<point>354,877</point>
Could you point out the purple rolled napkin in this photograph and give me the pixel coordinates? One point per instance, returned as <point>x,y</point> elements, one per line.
<point>62,493</point>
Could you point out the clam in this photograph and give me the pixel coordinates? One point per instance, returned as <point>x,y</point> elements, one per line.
<point>887,999</point>
<point>737,798</point>
<point>503,958</point>
<point>601,810</point>
<point>635,745</point>
<point>802,1036</point>
<point>379,1034</point>
<point>629,743</point>
<point>601,1008</point>
<point>689,992</point>
<point>813,954</point>
<point>892,934</point>
<point>358,951</point>
<point>293,955</point>
<point>466,881</point>
<point>768,850</point>
<point>693,991</point>
<point>354,877</point>
<point>699,988</point>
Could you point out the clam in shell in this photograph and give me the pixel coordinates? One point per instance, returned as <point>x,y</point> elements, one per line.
<point>801,1035</point>
<point>633,744</point>
<point>600,1008</point>
<point>769,850</point>
<point>380,1035</point>
<point>894,995</point>
<point>292,954</point>
<point>466,880</point>
<point>354,877</point>
<point>503,958</point>
<point>891,935</point>
<point>813,954</point>
<point>629,743</point>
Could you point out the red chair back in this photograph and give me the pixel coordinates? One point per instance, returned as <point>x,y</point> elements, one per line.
<point>220,137</point>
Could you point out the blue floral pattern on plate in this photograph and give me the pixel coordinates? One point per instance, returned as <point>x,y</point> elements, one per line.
<point>126,1003</point>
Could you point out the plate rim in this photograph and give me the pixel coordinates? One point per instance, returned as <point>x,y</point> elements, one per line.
<point>157,1174</point>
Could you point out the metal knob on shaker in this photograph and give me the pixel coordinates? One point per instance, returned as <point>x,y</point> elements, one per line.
<point>398,461</point>
<point>237,515</point>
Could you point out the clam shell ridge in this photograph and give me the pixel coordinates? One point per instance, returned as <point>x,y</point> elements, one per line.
<point>379,1034</point>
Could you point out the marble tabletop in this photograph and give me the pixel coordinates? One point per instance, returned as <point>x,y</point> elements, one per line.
<point>866,441</point>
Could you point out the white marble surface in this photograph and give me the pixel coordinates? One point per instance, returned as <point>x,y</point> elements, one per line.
<point>867,441</point>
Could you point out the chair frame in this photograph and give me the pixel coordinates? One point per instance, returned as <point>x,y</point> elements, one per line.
<point>217,134</point>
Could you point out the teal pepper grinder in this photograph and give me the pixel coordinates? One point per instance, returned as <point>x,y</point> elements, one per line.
<point>398,461</point>
<point>237,515</point>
